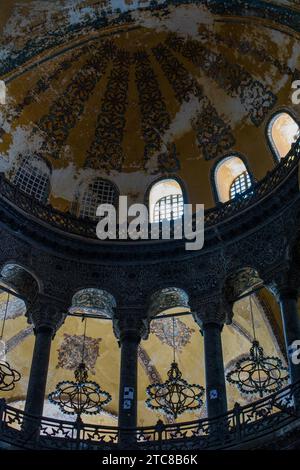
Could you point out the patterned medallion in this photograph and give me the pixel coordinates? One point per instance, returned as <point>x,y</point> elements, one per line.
<point>70,352</point>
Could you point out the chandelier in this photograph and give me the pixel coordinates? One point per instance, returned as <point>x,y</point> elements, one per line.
<point>82,396</point>
<point>258,374</point>
<point>174,396</point>
<point>8,375</point>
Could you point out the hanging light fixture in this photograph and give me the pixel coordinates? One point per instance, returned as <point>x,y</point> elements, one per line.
<point>174,396</point>
<point>82,396</point>
<point>8,375</point>
<point>258,374</point>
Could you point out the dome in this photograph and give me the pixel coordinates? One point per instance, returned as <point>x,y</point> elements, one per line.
<point>136,94</point>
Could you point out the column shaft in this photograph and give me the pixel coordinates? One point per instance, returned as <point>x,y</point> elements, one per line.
<point>291,327</point>
<point>128,382</point>
<point>38,372</point>
<point>214,370</point>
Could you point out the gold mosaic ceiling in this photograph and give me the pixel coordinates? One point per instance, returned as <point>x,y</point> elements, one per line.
<point>152,93</point>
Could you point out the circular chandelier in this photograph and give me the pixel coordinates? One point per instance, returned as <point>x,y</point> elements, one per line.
<point>174,396</point>
<point>8,375</point>
<point>80,397</point>
<point>258,374</point>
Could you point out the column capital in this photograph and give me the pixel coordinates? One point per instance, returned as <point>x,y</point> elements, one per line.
<point>131,322</point>
<point>216,310</point>
<point>47,313</point>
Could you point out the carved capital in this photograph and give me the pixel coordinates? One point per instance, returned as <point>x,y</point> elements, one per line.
<point>131,323</point>
<point>212,310</point>
<point>46,312</point>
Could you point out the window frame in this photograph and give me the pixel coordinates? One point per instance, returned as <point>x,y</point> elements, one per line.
<point>268,135</point>
<point>215,167</point>
<point>168,176</point>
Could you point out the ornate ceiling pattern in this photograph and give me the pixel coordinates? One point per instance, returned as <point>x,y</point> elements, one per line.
<point>135,93</point>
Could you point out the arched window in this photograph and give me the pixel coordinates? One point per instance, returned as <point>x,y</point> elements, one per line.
<point>165,201</point>
<point>231,178</point>
<point>33,178</point>
<point>98,192</point>
<point>283,131</point>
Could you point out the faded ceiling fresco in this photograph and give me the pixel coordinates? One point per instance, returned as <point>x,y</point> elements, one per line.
<point>132,92</point>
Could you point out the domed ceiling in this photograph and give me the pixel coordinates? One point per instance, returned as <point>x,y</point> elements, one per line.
<point>131,92</point>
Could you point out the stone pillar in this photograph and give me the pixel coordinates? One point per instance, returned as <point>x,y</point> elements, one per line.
<point>46,315</point>
<point>284,287</point>
<point>130,326</point>
<point>211,317</point>
<point>216,398</point>
<point>287,298</point>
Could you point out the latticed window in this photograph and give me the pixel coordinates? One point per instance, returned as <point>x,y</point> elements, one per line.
<point>98,192</point>
<point>240,184</point>
<point>168,208</point>
<point>32,177</point>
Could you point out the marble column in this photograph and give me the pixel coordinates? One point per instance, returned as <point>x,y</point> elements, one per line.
<point>130,326</point>
<point>211,317</point>
<point>46,315</point>
<point>291,326</point>
<point>216,398</point>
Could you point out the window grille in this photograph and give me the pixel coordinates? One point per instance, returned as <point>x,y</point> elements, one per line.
<point>32,180</point>
<point>240,184</point>
<point>168,208</point>
<point>98,192</point>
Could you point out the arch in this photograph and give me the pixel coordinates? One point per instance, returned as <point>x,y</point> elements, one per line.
<point>242,283</point>
<point>231,177</point>
<point>165,200</point>
<point>168,300</point>
<point>282,131</point>
<point>96,192</point>
<point>19,281</point>
<point>92,301</point>
<point>32,176</point>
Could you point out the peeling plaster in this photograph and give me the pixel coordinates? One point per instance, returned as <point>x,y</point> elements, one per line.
<point>180,20</point>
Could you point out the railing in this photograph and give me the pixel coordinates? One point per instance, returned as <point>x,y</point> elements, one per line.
<point>239,426</point>
<point>66,222</point>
